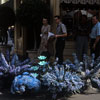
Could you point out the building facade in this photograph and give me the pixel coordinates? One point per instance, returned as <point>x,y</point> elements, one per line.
<point>20,32</point>
<point>58,7</point>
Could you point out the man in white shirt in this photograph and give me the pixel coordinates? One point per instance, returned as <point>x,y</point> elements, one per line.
<point>61,33</point>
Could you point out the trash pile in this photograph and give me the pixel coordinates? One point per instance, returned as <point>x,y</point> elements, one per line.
<point>66,79</point>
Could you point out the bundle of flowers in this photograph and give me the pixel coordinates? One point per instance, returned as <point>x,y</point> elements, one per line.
<point>88,69</point>
<point>26,81</point>
<point>13,66</point>
<point>43,65</point>
<point>76,66</point>
<point>9,68</point>
<point>40,67</point>
<point>88,63</point>
<point>95,82</point>
<point>94,77</point>
<point>32,69</point>
<point>61,81</point>
<point>69,78</point>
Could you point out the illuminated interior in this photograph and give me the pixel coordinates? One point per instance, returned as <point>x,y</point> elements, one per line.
<point>3,1</point>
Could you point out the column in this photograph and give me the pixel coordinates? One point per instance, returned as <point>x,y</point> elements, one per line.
<point>16,4</point>
<point>20,34</point>
<point>55,10</point>
<point>17,27</point>
<point>55,7</point>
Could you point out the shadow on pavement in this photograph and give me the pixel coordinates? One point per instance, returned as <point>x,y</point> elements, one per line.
<point>6,95</point>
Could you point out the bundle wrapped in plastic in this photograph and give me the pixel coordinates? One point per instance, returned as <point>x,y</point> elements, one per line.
<point>90,62</point>
<point>13,66</point>
<point>43,64</point>
<point>89,69</point>
<point>61,81</point>
<point>76,66</point>
<point>32,69</point>
<point>74,82</point>
<point>68,78</point>
<point>95,82</point>
<point>24,82</point>
<point>41,67</point>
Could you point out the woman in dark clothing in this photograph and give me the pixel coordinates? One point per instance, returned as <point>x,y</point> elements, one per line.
<point>82,36</point>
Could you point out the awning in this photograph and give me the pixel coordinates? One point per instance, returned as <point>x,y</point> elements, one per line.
<point>91,2</point>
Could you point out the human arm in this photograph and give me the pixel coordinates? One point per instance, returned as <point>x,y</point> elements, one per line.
<point>49,28</point>
<point>98,37</point>
<point>63,35</point>
<point>96,41</point>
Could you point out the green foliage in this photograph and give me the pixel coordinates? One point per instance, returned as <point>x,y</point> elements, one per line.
<point>32,12</point>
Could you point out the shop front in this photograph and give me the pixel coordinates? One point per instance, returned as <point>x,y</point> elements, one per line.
<point>70,13</point>
<point>72,10</point>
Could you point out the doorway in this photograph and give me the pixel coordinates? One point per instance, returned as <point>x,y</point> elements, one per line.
<point>71,15</point>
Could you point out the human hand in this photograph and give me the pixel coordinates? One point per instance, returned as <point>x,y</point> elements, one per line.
<point>56,36</point>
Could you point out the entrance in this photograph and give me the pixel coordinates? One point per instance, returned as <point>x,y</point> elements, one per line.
<point>71,13</point>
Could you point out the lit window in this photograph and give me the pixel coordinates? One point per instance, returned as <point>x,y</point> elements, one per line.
<point>3,1</point>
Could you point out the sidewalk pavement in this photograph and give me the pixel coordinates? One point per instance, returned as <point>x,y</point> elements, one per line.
<point>91,94</point>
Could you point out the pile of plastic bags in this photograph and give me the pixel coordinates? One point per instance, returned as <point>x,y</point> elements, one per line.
<point>69,78</point>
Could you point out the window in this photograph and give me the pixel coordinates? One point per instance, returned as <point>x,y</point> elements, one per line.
<point>3,1</point>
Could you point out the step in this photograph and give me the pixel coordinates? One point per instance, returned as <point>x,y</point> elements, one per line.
<point>68,57</point>
<point>70,48</point>
<point>69,52</point>
<point>70,45</point>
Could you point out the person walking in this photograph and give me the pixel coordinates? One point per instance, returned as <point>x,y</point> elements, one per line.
<point>47,38</point>
<point>95,37</point>
<point>61,33</point>
<point>44,34</point>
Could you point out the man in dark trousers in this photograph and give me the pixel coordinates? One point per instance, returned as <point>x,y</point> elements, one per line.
<point>61,33</point>
<point>95,37</point>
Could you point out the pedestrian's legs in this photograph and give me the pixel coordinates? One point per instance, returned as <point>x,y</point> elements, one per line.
<point>85,45</point>
<point>59,50</point>
<point>79,47</point>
